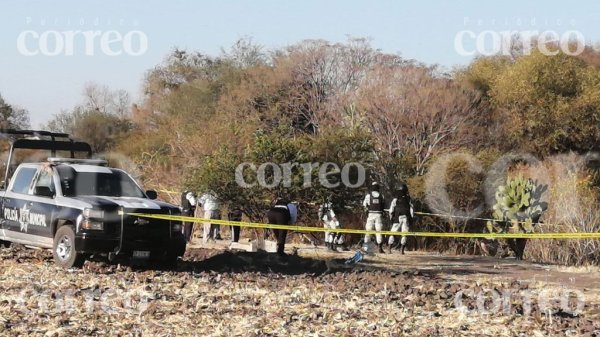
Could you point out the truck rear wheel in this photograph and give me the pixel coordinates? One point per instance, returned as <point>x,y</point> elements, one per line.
<point>64,251</point>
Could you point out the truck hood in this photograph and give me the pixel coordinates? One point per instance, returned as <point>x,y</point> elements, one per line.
<point>104,202</point>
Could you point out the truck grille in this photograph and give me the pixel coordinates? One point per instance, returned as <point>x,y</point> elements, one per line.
<point>146,229</point>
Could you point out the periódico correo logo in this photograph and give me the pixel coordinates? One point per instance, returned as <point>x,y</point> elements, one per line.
<point>77,42</point>
<point>490,42</point>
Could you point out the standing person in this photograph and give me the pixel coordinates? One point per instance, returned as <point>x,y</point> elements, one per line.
<point>401,213</point>
<point>279,214</point>
<point>328,217</point>
<point>188,208</point>
<point>212,210</point>
<point>293,212</point>
<point>235,214</point>
<point>374,203</point>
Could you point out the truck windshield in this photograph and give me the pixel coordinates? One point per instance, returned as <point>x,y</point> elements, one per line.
<point>113,184</point>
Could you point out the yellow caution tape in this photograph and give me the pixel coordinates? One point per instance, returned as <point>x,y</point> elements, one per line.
<point>168,192</point>
<point>370,232</point>
<point>482,219</point>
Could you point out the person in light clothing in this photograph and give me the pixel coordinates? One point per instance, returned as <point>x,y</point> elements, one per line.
<point>188,208</point>
<point>293,212</point>
<point>401,213</point>
<point>328,217</point>
<point>374,203</point>
<point>212,210</point>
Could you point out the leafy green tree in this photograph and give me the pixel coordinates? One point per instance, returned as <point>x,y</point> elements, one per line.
<point>549,104</point>
<point>482,72</point>
<point>217,172</point>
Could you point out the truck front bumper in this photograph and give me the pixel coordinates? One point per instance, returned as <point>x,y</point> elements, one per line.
<point>100,244</point>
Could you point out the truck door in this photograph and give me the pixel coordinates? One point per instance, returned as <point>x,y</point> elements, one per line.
<point>42,202</point>
<point>14,202</point>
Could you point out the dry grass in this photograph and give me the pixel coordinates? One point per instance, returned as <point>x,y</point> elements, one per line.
<point>573,207</point>
<point>39,299</point>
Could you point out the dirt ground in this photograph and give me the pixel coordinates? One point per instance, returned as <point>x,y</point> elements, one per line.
<point>216,292</point>
<point>444,265</point>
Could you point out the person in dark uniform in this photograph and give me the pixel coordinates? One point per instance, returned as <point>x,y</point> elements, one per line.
<point>279,214</point>
<point>401,214</point>
<point>188,208</point>
<point>235,214</point>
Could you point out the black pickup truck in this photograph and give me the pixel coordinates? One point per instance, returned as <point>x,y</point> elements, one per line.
<point>80,207</point>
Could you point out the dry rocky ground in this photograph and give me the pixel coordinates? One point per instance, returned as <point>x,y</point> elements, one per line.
<point>219,293</point>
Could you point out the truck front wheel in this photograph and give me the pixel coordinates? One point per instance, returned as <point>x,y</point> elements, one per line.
<point>64,251</point>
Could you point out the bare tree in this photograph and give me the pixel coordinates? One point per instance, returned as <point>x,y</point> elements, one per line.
<point>412,110</point>
<point>327,77</point>
<point>101,98</point>
<point>245,53</point>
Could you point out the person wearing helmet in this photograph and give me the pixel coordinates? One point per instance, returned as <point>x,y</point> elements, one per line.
<point>374,203</point>
<point>330,221</point>
<point>401,214</point>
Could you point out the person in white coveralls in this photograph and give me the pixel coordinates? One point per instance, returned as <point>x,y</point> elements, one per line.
<point>212,210</point>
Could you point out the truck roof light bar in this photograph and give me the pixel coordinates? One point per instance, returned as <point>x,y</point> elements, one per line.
<point>31,140</point>
<point>98,162</point>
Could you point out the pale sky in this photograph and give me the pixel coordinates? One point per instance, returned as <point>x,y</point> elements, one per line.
<point>423,30</point>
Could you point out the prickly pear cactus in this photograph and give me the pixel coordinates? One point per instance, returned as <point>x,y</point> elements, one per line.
<point>518,206</point>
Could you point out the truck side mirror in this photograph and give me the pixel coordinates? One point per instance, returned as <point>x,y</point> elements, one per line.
<point>151,194</point>
<point>43,191</point>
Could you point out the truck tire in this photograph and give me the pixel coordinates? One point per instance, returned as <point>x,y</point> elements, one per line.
<point>64,251</point>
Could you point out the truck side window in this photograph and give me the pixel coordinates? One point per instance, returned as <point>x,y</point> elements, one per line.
<point>22,180</point>
<point>45,179</point>
<point>67,180</point>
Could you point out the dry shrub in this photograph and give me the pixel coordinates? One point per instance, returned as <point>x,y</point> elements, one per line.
<point>453,186</point>
<point>573,208</point>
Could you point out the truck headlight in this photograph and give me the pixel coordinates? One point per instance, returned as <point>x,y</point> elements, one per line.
<point>93,213</point>
<point>176,227</point>
<point>92,225</point>
<point>92,219</point>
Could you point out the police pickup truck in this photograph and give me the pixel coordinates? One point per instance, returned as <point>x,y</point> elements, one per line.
<point>80,207</point>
